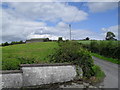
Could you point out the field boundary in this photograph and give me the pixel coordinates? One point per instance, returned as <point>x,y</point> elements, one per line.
<point>37,75</point>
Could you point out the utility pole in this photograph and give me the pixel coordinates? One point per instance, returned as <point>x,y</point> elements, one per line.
<point>70,30</point>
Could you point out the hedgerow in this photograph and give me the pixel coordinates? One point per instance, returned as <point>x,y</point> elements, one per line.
<point>109,49</point>
<point>72,52</point>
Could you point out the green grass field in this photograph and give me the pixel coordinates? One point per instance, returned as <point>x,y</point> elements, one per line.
<point>12,55</point>
<point>84,41</point>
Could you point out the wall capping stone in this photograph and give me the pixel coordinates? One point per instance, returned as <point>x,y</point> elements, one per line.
<point>43,65</point>
<point>10,71</point>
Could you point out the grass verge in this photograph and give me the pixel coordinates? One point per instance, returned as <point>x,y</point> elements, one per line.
<point>97,78</point>
<point>116,61</point>
<point>99,74</point>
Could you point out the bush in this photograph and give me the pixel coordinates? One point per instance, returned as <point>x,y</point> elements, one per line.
<point>26,60</point>
<point>13,63</point>
<point>87,38</point>
<point>99,74</point>
<point>94,46</point>
<point>60,39</point>
<point>5,44</point>
<point>10,64</point>
<point>72,52</point>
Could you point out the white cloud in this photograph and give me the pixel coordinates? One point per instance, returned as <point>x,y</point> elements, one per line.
<point>46,11</point>
<point>17,29</point>
<point>20,29</point>
<point>92,0</point>
<point>101,6</point>
<point>82,34</point>
<point>102,0</point>
<point>64,32</point>
<point>62,25</point>
<point>51,37</point>
<point>60,0</point>
<point>19,22</point>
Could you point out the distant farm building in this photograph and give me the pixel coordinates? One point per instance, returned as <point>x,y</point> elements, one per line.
<point>37,40</point>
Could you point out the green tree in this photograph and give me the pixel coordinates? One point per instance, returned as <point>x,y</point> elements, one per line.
<point>60,39</point>
<point>21,42</point>
<point>87,38</point>
<point>110,36</point>
<point>6,44</point>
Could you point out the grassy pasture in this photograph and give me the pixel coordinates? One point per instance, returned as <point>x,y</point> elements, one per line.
<point>84,41</point>
<point>14,55</point>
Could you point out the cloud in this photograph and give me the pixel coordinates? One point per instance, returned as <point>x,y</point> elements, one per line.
<point>62,25</point>
<point>23,21</point>
<point>92,0</point>
<point>113,29</point>
<point>101,6</point>
<point>82,34</point>
<point>60,32</point>
<point>17,29</point>
<point>60,0</point>
<point>47,11</point>
<point>51,37</point>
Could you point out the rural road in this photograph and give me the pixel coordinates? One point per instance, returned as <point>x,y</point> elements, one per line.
<point>111,71</point>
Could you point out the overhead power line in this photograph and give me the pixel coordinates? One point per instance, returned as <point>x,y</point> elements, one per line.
<point>76,13</point>
<point>74,19</point>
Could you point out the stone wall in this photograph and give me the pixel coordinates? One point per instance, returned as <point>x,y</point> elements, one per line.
<point>12,79</point>
<point>38,74</point>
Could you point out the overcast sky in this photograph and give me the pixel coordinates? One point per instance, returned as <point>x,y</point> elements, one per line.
<point>26,20</point>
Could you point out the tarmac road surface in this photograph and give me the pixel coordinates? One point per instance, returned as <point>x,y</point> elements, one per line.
<point>111,72</point>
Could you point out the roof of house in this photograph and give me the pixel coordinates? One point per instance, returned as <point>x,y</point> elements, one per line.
<point>38,38</point>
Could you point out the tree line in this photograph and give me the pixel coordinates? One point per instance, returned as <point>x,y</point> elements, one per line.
<point>12,43</point>
<point>109,36</point>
